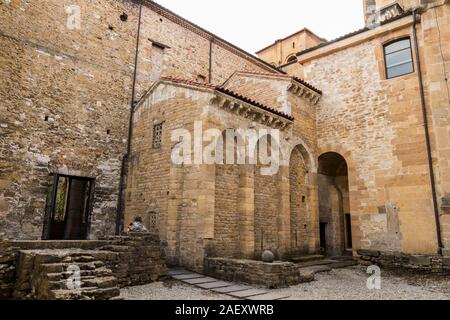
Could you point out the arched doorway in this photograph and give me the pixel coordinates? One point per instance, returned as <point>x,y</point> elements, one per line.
<point>334,205</point>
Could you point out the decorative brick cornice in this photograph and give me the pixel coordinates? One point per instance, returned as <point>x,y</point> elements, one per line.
<point>252,112</point>
<point>303,92</point>
<point>231,101</point>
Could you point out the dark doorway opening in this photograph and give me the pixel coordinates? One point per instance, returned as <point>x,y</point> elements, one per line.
<point>69,202</point>
<point>348,229</point>
<point>323,237</point>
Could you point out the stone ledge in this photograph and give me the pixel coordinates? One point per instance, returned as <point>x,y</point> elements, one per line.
<point>269,275</point>
<point>369,253</point>
<point>425,263</point>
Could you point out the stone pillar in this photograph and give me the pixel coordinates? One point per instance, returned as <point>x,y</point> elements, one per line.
<point>246,207</point>
<point>313,208</point>
<point>169,227</point>
<point>284,212</point>
<point>197,218</point>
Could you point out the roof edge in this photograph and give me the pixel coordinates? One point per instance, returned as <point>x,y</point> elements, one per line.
<point>306,30</point>
<point>209,35</point>
<point>351,34</point>
<point>211,88</point>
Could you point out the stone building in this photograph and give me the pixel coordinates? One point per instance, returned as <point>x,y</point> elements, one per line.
<point>89,111</point>
<point>284,50</point>
<point>372,115</point>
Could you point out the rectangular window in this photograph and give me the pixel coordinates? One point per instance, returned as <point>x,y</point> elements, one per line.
<point>398,58</point>
<point>157,136</point>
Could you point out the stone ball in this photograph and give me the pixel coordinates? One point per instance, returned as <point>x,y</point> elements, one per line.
<point>268,256</point>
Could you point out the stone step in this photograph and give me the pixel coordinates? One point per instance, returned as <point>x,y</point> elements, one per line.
<point>343,264</point>
<point>65,294</point>
<point>307,258</point>
<point>317,269</point>
<point>63,266</point>
<point>82,258</point>
<point>85,282</point>
<point>342,258</point>
<point>102,293</point>
<point>104,282</point>
<point>87,293</point>
<point>316,263</point>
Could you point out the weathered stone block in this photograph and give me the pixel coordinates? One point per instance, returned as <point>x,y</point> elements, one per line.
<point>420,260</point>
<point>369,253</point>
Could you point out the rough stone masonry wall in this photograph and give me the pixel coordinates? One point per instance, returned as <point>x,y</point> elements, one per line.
<point>269,275</point>
<point>424,263</point>
<point>187,50</point>
<point>226,210</point>
<point>301,141</point>
<point>66,95</point>
<point>155,183</point>
<point>301,226</point>
<point>61,91</point>
<point>377,126</point>
<point>267,227</point>
<point>135,259</point>
<point>435,32</point>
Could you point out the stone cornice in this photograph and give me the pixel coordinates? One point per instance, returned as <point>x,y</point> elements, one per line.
<point>250,112</point>
<point>304,92</point>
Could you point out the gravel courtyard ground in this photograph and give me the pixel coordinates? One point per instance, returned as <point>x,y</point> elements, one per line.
<point>340,284</point>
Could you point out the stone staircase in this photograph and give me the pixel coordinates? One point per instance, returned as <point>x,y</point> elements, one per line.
<point>320,263</point>
<point>68,275</point>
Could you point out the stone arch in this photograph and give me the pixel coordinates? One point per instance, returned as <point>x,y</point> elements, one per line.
<point>292,58</point>
<point>308,156</point>
<point>344,153</point>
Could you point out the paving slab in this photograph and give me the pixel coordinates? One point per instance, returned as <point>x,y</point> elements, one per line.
<point>248,293</point>
<point>234,288</point>
<point>215,285</point>
<point>188,276</point>
<point>269,297</point>
<point>200,280</point>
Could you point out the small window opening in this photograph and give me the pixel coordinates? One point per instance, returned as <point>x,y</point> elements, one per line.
<point>157,136</point>
<point>123,17</point>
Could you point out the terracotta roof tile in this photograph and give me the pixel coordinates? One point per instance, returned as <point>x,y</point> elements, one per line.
<point>286,76</point>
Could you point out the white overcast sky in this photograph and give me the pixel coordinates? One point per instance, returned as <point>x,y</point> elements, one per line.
<point>254,24</point>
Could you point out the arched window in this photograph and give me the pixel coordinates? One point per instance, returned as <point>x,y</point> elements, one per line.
<point>398,58</point>
<point>292,59</point>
